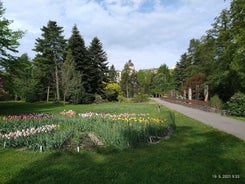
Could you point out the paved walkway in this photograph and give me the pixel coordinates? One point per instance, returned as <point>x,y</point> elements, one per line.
<point>226,124</point>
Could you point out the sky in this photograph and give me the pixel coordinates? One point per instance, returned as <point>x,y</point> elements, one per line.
<point>147,32</point>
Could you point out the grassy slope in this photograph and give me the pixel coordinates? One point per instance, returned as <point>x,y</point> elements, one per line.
<point>193,154</point>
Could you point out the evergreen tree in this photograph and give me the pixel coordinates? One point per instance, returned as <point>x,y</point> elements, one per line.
<point>79,53</point>
<point>128,81</point>
<point>179,71</point>
<point>8,40</point>
<point>22,71</point>
<point>2,91</point>
<point>50,56</point>
<point>125,80</point>
<point>238,33</point>
<point>221,80</point>
<point>8,46</point>
<point>217,59</point>
<point>112,74</point>
<point>71,84</point>
<point>98,67</point>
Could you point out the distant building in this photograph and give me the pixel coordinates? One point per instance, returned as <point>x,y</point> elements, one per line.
<point>154,70</point>
<point>131,67</point>
<point>119,75</point>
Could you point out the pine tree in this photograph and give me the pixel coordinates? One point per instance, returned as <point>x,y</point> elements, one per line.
<point>8,40</point>
<point>22,71</point>
<point>50,56</point>
<point>8,46</point>
<point>79,52</point>
<point>179,71</point>
<point>112,74</point>
<point>71,84</point>
<point>98,67</point>
<point>128,81</point>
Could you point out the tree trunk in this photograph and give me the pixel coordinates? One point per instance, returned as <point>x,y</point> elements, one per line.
<point>64,99</point>
<point>57,82</point>
<point>48,93</point>
<point>127,90</point>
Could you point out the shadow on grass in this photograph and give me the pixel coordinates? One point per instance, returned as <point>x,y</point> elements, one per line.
<point>7,108</point>
<point>184,158</point>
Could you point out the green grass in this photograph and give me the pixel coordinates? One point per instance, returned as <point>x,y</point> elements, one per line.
<point>193,154</point>
<point>12,107</point>
<point>239,118</point>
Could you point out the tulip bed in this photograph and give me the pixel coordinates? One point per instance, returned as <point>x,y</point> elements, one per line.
<point>49,132</point>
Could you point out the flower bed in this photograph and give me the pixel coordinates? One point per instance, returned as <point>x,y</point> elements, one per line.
<point>28,116</point>
<point>117,130</point>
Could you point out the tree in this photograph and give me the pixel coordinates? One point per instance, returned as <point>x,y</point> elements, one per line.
<point>222,80</point>
<point>218,55</point>
<point>112,74</point>
<point>2,91</point>
<point>238,33</point>
<point>50,56</point>
<point>179,71</point>
<point>98,67</point>
<point>71,79</point>
<point>128,81</point>
<point>22,76</point>
<point>112,90</point>
<point>8,40</point>
<point>144,78</point>
<point>80,55</point>
<point>163,80</point>
<point>8,46</point>
<point>196,83</point>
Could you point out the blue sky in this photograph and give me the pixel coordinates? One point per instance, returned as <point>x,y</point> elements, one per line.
<point>149,32</point>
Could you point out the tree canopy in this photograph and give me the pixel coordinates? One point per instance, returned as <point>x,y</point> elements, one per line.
<point>8,40</point>
<point>219,55</point>
<point>50,50</point>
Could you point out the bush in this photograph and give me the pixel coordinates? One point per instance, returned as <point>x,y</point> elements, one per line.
<point>112,90</point>
<point>98,99</point>
<point>236,104</point>
<point>141,98</point>
<point>32,97</point>
<point>216,102</point>
<point>88,98</point>
<point>122,99</point>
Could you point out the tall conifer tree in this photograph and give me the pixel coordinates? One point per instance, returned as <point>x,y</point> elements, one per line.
<point>80,55</point>
<point>8,40</point>
<point>50,50</point>
<point>98,67</point>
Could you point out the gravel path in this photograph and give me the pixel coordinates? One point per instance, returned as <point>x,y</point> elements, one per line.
<point>226,124</point>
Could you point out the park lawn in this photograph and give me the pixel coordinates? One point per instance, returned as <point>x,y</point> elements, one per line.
<point>195,153</point>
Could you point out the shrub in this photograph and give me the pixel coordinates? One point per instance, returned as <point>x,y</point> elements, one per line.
<point>236,104</point>
<point>141,98</point>
<point>88,98</point>
<point>32,97</point>
<point>98,99</point>
<point>112,90</point>
<point>122,99</point>
<point>216,102</point>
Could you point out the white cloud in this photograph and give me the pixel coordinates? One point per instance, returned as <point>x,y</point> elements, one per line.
<point>150,32</point>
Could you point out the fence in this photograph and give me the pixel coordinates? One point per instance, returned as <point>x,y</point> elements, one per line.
<point>202,105</point>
